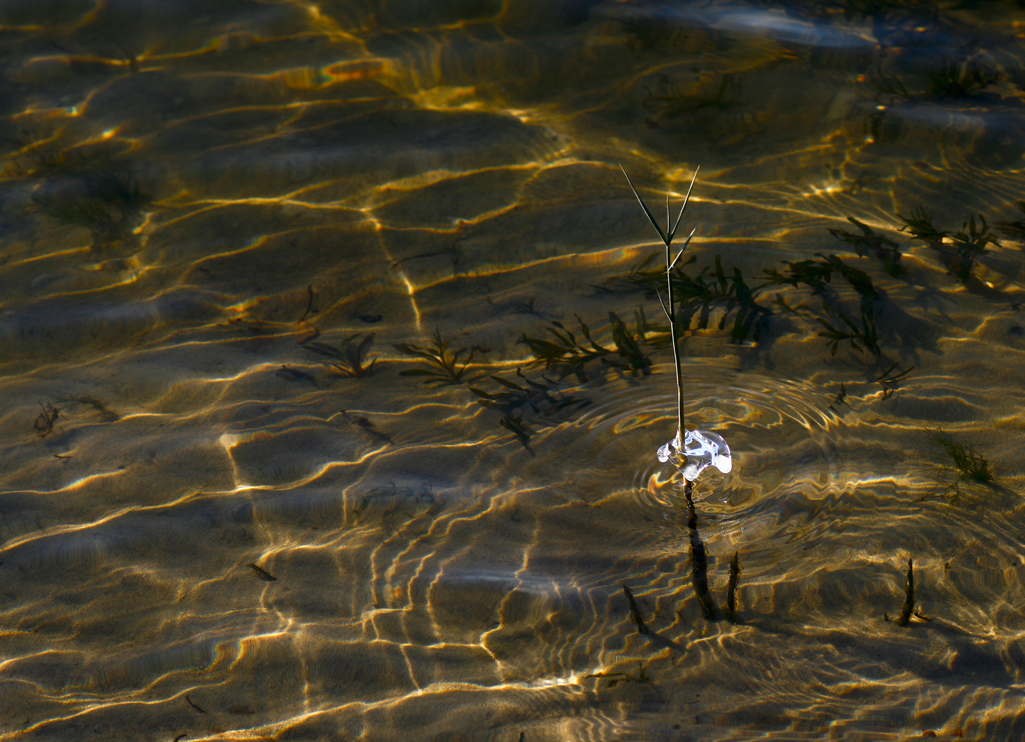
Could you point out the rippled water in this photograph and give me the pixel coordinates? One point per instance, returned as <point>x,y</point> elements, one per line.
<point>238,501</point>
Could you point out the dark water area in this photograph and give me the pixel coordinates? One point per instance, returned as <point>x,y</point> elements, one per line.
<point>334,370</point>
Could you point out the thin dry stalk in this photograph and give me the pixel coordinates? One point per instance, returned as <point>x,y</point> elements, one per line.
<point>667,239</point>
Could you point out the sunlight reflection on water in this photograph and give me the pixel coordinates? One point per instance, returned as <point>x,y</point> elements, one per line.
<point>335,369</point>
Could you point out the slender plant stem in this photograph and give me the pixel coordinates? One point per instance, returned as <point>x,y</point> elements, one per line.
<point>676,343</point>
<point>667,240</point>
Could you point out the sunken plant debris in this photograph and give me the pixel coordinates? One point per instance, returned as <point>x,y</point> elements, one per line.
<point>698,558</point>
<point>303,321</point>
<point>84,400</point>
<point>445,365</point>
<point>294,374</point>
<point>349,359</point>
<point>841,398</point>
<point>890,381</point>
<point>909,597</point>
<point>642,628</point>
<point>391,501</point>
<point>618,677</point>
<point>262,573</point>
<point>731,588</point>
<point>45,422</point>
<point>635,611</point>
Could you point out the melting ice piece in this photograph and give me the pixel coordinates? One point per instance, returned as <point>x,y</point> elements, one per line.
<point>700,450</point>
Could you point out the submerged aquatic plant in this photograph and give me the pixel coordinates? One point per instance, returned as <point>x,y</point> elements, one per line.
<point>870,241</point>
<point>969,243</point>
<point>919,225</point>
<point>565,354</point>
<point>867,334</point>
<point>690,451</point>
<point>968,463</point>
<point>959,79</point>
<point>1016,229</point>
<point>697,294</point>
<point>890,381</point>
<point>816,274</point>
<point>445,366</point>
<point>100,200</point>
<point>540,396</point>
<point>348,359</point>
<point>961,248</point>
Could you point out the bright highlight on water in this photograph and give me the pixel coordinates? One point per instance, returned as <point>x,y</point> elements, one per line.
<point>700,450</point>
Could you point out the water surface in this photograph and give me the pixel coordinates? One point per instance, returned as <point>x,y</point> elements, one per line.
<point>239,501</point>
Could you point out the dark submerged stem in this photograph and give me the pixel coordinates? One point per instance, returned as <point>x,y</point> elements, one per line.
<point>731,590</point>
<point>909,596</point>
<point>698,558</point>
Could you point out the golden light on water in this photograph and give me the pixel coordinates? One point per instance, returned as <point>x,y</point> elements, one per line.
<point>334,371</point>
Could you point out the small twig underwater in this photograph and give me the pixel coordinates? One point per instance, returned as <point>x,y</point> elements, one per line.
<point>909,597</point>
<point>699,558</point>
<point>731,588</point>
<point>635,611</point>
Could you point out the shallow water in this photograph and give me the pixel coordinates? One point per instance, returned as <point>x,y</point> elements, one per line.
<point>211,532</point>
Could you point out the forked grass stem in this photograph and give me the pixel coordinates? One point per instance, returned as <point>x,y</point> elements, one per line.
<point>670,310</point>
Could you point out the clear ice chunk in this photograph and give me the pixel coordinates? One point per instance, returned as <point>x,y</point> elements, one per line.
<point>700,450</point>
